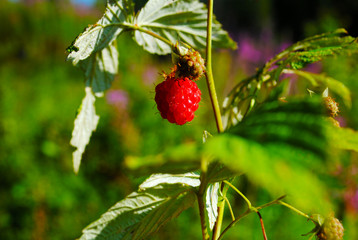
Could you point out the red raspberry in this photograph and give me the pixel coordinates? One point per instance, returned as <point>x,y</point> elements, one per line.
<point>177,99</point>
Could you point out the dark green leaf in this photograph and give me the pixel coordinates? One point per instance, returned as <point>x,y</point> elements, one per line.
<point>296,123</point>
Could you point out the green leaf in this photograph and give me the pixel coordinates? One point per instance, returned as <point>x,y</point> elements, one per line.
<point>85,123</point>
<point>297,124</point>
<point>98,36</point>
<point>100,68</point>
<point>277,146</point>
<point>145,211</point>
<point>180,159</point>
<point>343,138</point>
<point>211,203</point>
<point>177,20</point>
<point>218,172</point>
<point>272,168</point>
<point>316,48</point>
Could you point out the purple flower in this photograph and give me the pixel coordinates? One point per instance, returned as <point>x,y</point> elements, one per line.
<point>150,75</point>
<point>254,52</point>
<point>118,98</point>
<point>351,199</point>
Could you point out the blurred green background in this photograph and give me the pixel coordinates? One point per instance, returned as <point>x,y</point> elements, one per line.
<point>41,197</point>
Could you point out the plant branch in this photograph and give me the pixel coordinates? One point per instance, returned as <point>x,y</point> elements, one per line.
<point>215,105</point>
<point>200,196</point>
<point>247,212</point>
<point>129,26</point>
<point>230,209</point>
<point>221,207</point>
<point>209,75</point>
<point>294,209</point>
<point>262,225</point>
<point>240,193</point>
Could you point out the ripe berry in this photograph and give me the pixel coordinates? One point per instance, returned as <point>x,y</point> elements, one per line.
<point>177,99</point>
<point>332,229</point>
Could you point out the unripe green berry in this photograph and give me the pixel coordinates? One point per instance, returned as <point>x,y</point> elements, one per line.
<point>332,229</point>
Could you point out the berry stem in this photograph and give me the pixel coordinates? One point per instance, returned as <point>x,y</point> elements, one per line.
<point>294,209</point>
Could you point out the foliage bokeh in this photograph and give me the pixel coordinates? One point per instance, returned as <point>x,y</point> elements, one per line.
<point>41,197</point>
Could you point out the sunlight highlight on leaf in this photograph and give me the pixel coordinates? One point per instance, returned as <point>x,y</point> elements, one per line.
<point>85,123</point>
<point>100,68</point>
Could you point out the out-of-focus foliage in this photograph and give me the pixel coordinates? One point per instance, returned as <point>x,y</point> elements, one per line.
<point>41,198</point>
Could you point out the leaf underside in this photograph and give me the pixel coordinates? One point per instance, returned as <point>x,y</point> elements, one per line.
<point>98,36</point>
<point>85,123</point>
<point>177,20</point>
<point>158,200</point>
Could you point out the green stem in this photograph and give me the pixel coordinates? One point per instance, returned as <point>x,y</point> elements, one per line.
<point>200,196</point>
<point>153,35</point>
<point>215,104</point>
<point>247,212</point>
<point>230,209</point>
<point>240,193</point>
<point>294,209</point>
<point>209,74</point>
<point>204,229</point>
<point>218,223</point>
<point>129,26</point>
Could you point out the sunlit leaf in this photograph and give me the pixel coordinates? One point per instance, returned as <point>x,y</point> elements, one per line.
<point>190,179</point>
<point>158,200</point>
<point>177,20</point>
<point>212,195</point>
<point>272,168</point>
<point>98,36</point>
<point>85,123</point>
<point>343,138</point>
<point>100,68</point>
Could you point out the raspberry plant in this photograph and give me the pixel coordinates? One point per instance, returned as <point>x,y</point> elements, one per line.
<point>262,129</point>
